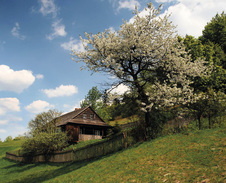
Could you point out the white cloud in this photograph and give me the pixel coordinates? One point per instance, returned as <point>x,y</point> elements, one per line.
<point>192,16</point>
<point>2,131</point>
<point>62,90</point>
<point>48,7</point>
<point>58,30</point>
<point>128,4</point>
<point>16,32</point>
<point>73,44</point>
<point>14,118</point>
<point>3,122</point>
<point>164,1</point>
<point>38,106</point>
<point>15,81</point>
<point>120,89</point>
<point>9,104</point>
<point>10,119</point>
<point>39,76</point>
<point>69,108</point>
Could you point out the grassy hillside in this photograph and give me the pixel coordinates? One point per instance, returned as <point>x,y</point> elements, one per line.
<point>195,157</point>
<point>121,121</point>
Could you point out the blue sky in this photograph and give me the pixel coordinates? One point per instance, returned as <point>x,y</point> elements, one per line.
<point>36,37</point>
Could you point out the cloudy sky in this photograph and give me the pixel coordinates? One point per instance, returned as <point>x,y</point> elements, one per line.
<point>36,71</point>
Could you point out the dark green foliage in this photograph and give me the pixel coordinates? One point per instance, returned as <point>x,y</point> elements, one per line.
<point>91,99</point>
<point>216,105</point>
<point>82,144</point>
<point>115,130</point>
<point>212,47</point>
<point>159,119</point>
<point>19,137</point>
<point>123,108</point>
<point>214,41</point>
<point>45,143</point>
<point>45,137</point>
<point>94,99</point>
<point>210,105</point>
<point>215,31</point>
<point>215,56</point>
<point>198,109</point>
<point>193,46</point>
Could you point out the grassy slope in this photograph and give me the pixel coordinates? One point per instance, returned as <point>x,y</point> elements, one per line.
<point>121,121</point>
<point>177,158</point>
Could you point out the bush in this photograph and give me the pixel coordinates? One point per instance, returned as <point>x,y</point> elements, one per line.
<point>20,137</point>
<point>45,143</point>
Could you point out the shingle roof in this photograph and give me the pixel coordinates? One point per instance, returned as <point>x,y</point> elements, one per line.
<point>71,118</point>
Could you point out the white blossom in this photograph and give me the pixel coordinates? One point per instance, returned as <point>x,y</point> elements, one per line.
<point>137,52</point>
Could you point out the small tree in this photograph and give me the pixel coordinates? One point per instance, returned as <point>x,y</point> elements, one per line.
<point>146,56</point>
<point>43,121</point>
<point>8,139</point>
<point>215,105</point>
<point>92,99</point>
<point>46,138</point>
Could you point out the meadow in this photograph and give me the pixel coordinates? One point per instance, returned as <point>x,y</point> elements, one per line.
<point>197,156</point>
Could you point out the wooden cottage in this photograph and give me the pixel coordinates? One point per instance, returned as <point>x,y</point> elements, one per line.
<point>83,124</point>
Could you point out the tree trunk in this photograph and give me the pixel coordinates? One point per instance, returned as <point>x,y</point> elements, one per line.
<point>199,119</point>
<point>147,123</point>
<point>209,121</point>
<point>143,98</point>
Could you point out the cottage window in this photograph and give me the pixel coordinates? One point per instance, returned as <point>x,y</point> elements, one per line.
<point>84,116</point>
<point>80,131</point>
<point>91,116</point>
<point>97,132</point>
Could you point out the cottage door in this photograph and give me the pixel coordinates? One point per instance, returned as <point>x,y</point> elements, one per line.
<point>73,132</point>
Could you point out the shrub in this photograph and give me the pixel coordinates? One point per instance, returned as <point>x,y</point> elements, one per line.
<point>19,137</point>
<point>46,143</point>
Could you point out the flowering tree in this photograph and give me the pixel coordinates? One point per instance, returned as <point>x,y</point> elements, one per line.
<point>145,55</point>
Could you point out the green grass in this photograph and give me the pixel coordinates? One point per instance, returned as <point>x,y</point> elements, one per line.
<point>83,144</point>
<point>121,121</point>
<point>195,157</point>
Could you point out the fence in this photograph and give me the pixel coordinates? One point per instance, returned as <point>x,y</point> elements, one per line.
<point>91,151</point>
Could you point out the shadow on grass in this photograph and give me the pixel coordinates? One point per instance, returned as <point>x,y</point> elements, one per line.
<point>18,167</point>
<point>45,174</point>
